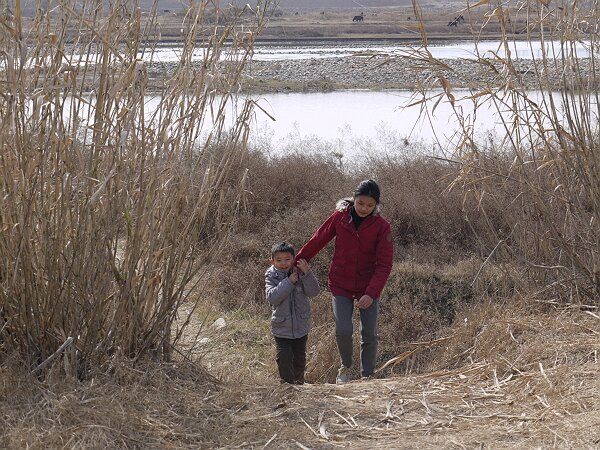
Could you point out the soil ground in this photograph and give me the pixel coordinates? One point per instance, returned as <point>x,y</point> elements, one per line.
<point>378,23</point>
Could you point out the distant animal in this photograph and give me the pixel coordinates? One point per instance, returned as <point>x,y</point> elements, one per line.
<point>454,22</point>
<point>358,19</point>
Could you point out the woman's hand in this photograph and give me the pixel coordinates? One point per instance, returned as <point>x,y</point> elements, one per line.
<point>364,302</point>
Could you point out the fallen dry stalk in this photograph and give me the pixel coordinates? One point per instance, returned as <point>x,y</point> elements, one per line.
<point>54,355</point>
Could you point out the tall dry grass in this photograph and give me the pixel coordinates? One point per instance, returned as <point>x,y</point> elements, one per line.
<point>542,167</point>
<point>109,207</point>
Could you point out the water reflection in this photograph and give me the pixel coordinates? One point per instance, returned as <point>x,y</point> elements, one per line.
<point>350,120</point>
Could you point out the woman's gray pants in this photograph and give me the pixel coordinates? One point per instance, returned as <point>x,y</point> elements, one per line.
<point>342,311</point>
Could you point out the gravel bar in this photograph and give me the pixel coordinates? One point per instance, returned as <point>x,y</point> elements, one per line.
<point>376,72</point>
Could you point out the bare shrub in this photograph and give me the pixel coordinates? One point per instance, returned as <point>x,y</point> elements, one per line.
<point>290,195</point>
<point>295,180</point>
<point>151,404</point>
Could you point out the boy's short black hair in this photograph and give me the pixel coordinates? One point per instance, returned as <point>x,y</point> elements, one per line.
<point>283,247</point>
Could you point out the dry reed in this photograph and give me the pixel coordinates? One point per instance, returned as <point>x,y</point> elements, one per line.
<point>108,206</point>
<point>541,169</point>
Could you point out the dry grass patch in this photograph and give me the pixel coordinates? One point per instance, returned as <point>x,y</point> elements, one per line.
<point>525,379</point>
<point>517,339</point>
<point>153,406</point>
<point>386,22</point>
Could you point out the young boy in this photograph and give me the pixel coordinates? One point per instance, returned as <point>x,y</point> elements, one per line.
<point>288,290</point>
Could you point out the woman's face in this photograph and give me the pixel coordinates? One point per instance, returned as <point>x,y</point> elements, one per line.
<point>364,205</point>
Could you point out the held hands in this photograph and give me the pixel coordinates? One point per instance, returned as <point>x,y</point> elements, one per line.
<point>303,266</point>
<point>364,302</point>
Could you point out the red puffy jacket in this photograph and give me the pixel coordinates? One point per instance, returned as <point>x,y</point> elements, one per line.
<point>362,259</point>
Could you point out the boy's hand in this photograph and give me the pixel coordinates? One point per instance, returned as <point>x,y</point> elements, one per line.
<point>293,277</point>
<point>303,266</point>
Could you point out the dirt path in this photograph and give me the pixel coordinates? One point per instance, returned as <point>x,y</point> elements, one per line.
<point>466,408</point>
<point>545,395</point>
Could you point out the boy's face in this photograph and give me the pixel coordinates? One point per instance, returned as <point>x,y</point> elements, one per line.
<point>283,261</point>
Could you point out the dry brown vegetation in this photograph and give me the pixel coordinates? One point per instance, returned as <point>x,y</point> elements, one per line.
<point>149,250</point>
<point>400,22</point>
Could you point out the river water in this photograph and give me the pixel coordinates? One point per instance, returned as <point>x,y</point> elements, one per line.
<point>352,122</point>
<point>293,50</point>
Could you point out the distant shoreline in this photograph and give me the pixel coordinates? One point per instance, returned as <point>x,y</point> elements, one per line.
<point>167,40</point>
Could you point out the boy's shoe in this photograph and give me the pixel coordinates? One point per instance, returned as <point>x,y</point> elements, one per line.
<point>343,375</point>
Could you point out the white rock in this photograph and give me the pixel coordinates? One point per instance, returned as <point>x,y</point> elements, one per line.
<point>219,323</point>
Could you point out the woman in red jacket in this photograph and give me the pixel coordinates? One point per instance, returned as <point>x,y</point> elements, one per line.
<point>361,264</point>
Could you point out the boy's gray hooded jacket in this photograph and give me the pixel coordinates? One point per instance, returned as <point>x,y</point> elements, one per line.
<point>291,316</point>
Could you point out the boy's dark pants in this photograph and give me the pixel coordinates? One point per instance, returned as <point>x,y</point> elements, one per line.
<point>291,359</point>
